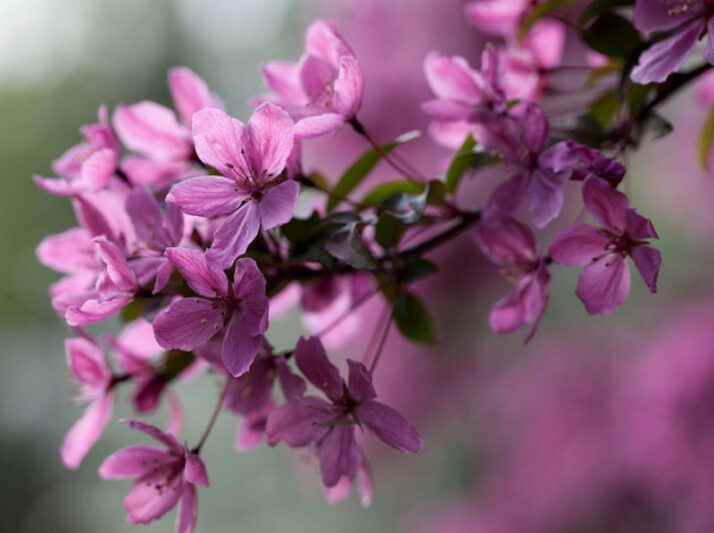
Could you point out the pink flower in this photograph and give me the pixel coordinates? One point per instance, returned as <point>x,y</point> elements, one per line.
<point>151,130</point>
<point>156,233</point>
<point>251,159</point>
<point>251,395</point>
<point>511,245</point>
<point>605,282</point>
<point>330,424</point>
<point>497,17</point>
<point>462,96</point>
<point>324,89</point>
<point>521,139</point>
<point>164,477</point>
<point>690,20</point>
<point>114,287</point>
<point>582,161</point>
<point>239,309</point>
<point>88,166</point>
<point>88,367</point>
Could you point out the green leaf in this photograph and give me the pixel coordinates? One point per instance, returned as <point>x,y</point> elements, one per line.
<point>612,35</point>
<point>706,138</point>
<point>348,246</point>
<point>361,168</point>
<point>416,269</point>
<point>601,6</point>
<point>133,310</point>
<point>656,125</point>
<point>413,319</point>
<point>604,110</point>
<point>388,230</point>
<point>436,192</point>
<point>383,191</point>
<point>468,157</point>
<point>541,10</point>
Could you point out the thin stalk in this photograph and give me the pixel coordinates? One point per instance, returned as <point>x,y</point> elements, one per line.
<point>212,420</point>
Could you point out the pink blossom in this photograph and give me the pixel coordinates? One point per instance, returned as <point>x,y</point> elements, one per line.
<point>512,245</point>
<point>330,424</point>
<point>239,310</point>
<point>155,233</point>
<point>582,161</point>
<point>164,477</point>
<point>605,282</point>
<point>322,90</point>
<point>690,20</point>
<point>250,191</point>
<point>497,17</point>
<point>88,367</point>
<point>87,166</point>
<point>163,143</point>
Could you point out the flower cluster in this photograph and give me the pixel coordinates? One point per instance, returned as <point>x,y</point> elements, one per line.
<point>186,231</point>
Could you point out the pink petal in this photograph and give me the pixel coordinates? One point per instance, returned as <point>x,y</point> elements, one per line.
<point>134,461</point>
<point>509,196</point>
<point>271,132</point>
<point>323,40</point>
<point>190,93</point>
<point>59,186</point>
<point>175,422</point>
<point>316,125</point>
<point>86,362</point>
<point>219,140</point>
<point>505,240</point>
<point>348,87</point>
<point>546,192</point>
<point>389,426</point>
<point>234,236</point>
<point>86,431</point>
<point>299,422</point>
<point>495,16</point>
<point>69,164</point>
<point>240,344</point>
<point>667,56</point>
<point>195,470</point>
<point>604,203</point>
<point>578,245</point>
<point>339,455</point>
<point>145,214</point>
<point>604,285</point>
<point>207,196</point>
<point>193,266</point>
<point>153,495</point>
<point>525,304</point>
<point>249,288</point>
<point>141,170</point>
<point>117,267</point>
<point>445,110</point>
<point>99,168</point>
<point>278,204</point>
<point>312,361</point>
<point>293,386</point>
<point>283,77</point>
<point>253,390</point>
<point>452,78</point>
<point>639,227</point>
<point>647,260</point>
<point>166,439</point>
<point>251,432</point>
<point>546,40</point>
<point>67,252</point>
<point>95,310</point>
<point>187,323</point>
<point>657,15</point>
<point>187,510</point>
<point>163,275</point>
<point>152,130</point>
<point>360,382</point>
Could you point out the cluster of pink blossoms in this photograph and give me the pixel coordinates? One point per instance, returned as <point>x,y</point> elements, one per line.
<point>186,232</point>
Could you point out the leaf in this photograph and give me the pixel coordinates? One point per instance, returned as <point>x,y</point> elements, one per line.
<point>706,138</point>
<point>612,35</point>
<point>416,269</point>
<point>604,110</point>
<point>361,168</point>
<point>348,246</point>
<point>388,230</point>
<point>541,10</point>
<point>133,310</point>
<point>657,125</point>
<point>601,6</point>
<point>413,319</point>
<point>383,191</point>
<point>466,158</point>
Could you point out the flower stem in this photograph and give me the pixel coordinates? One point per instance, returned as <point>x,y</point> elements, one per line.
<point>212,420</point>
<point>382,341</point>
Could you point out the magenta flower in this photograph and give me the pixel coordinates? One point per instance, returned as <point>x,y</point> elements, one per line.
<point>251,159</point>
<point>114,287</point>
<point>521,139</point>
<point>155,233</point>
<point>88,367</point>
<point>462,95</point>
<point>605,282</point>
<point>512,245</point>
<point>163,143</point>
<point>330,424</point>
<point>88,166</point>
<point>582,161</point>
<point>164,477</point>
<point>251,395</point>
<point>239,309</point>
<point>324,89</point>
<point>691,19</point>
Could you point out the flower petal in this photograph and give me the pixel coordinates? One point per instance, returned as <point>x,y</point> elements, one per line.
<point>190,93</point>
<point>234,236</point>
<point>86,431</point>
<point>187,323</point>
<point>604,285</point>
<point>152,130</point>
<point>339,455</point>
<point>639,227</point>
<point>647,260</point>
<point>240,344</point>
<point>315,125</point>
<point>349,87</point>
<point>278,204</point>
<point>195,470</point>
<point>312,361</point>
<point>271,132</point>
<point>188,509</point>
<point>604,203</point>
<point>86,362</point>
<point>360,382</point>
<point>667,56</point>
<point>221,141</point>
<point>300,422</point>
<point>578,245</point>
<point>153,495</point>
<point>134,461</point>
<point>167,439</point>
<point>389,426</point>
<point>193,266</point>
<point>207,196</point>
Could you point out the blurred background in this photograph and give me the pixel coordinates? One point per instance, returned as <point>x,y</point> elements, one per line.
<point>599,425</point>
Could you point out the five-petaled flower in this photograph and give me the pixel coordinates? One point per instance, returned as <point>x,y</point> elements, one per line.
<point>605,282</point>
<point>330,424</point>
<point>164,477</point>
<point>238,309</point>
<point>250,191</point>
